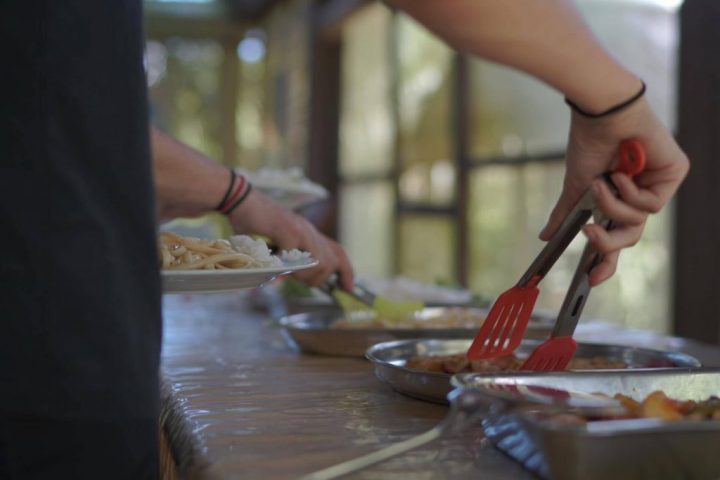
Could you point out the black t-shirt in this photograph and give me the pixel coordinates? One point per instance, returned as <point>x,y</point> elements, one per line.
<point>79,288</point>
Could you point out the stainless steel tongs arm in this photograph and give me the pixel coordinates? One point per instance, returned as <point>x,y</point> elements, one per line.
<point>559,242</point>
<point>577,294</point>
<point>579,289</point>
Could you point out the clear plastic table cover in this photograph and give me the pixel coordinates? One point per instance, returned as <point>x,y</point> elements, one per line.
<point>238,403</point>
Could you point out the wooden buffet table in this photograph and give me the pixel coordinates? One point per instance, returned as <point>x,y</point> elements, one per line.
<point>238,402</point>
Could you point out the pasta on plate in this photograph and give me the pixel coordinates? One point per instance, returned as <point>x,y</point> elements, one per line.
<point>188,253</point>
<point>178,252</point>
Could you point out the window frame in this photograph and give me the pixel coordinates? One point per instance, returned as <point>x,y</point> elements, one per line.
<point>324,153</point>
<point>696,304</point>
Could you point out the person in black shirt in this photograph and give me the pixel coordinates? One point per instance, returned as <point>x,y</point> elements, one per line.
<point>79,284</point>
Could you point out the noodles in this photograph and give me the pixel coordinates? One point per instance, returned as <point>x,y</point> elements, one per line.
<point>239,251</point>
<point>188,253</point>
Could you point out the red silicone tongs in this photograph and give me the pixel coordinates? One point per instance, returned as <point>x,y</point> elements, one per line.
<point>556,352</point>
<point>504,328</point>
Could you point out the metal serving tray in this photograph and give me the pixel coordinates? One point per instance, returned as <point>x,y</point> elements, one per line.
<point>640,449</point>
<point>389,359</point>
<point>311,332</point>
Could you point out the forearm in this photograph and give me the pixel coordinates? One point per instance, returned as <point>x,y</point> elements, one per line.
<point>547,39</point>
<point>187,183</point>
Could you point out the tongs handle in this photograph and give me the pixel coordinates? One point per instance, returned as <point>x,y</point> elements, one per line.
<point>559,242</point>
<point>577,294</point>
<point>632,162</point>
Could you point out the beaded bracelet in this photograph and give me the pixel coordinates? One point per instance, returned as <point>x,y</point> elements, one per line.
<point>611,110</point>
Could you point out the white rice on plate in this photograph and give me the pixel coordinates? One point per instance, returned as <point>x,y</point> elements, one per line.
<point>258,250</point>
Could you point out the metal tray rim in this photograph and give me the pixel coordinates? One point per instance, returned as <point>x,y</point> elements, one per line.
<point>435,386</point>
<point>311,332</point>
<point>290,322</point>
<point>458,377</point>
<point>396,343</point>
<point>627,429</point>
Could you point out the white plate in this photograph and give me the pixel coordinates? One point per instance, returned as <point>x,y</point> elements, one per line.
<point>288,187</point>
<point>292,198</point>
<point>213,281</point>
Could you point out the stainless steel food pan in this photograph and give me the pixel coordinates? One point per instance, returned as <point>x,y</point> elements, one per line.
<point>389,360</point>
<point>642,449</point>
<point>312,332</point>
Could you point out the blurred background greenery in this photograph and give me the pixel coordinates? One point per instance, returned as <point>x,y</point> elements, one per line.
<point>445,167</point>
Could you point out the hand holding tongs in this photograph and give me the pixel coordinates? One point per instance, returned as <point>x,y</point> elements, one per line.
<point>556,352</point>
<point>503,330</point>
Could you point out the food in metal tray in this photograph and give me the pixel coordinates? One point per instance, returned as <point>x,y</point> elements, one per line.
<point>633,449</point>
<point>459,363</point>
<point>655,405</point>
<point>450,317</point>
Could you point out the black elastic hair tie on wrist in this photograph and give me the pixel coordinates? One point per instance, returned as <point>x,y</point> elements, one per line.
<point>240,200</point>
<point>229,189</point>
<point>611,110</point>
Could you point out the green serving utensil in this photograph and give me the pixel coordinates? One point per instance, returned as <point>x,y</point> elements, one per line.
<point>365,302</point>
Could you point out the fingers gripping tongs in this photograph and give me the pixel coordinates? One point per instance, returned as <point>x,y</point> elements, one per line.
<point>504,328</point>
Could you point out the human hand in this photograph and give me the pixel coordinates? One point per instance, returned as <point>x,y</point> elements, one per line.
<point>592,150</point>
<point>259,214</point>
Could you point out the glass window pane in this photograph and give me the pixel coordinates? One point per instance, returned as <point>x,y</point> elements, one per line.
<point>366,128</point>
<point>514,114</point>
<point>366,227</point>
<point>274,90</point>
<point>644,36</point>
<point>287,85</point>
<point>428,246</point>
<point>509,206</point>
<point>254,132</point>
<point>425,73</point>
<point>185,90</point>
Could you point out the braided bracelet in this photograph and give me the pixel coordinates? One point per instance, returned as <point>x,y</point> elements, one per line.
<point>240,200</point>
<point>233,175</point>
<point>611,110</point>
<point>236,193</point>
